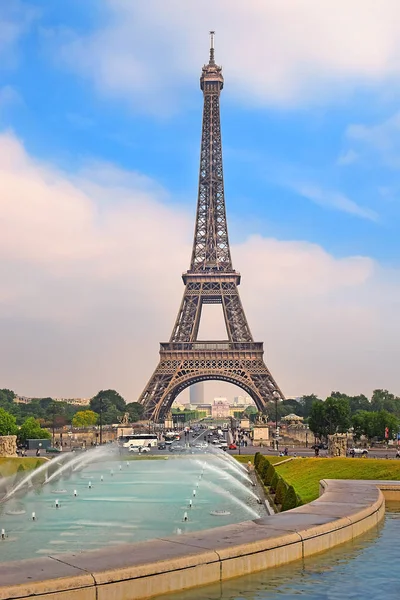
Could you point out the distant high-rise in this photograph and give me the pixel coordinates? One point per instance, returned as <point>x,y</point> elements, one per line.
<point>197,393</point>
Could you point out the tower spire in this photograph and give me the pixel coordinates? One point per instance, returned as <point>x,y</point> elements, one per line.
<point>211,279</point>
<point>212,60</point>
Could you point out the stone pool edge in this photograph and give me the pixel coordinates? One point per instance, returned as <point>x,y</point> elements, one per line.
<point>344,510</point>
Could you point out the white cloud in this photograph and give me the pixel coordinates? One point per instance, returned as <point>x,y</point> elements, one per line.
<point>15,19</point>
<point>335,200</point>
<point>347,158</point>
<point>379,140</point>
<point>90,283</point>
<point>281,52</point>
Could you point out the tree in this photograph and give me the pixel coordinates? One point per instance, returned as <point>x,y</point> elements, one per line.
<point>373,424</point>
<point>306,403</point>
<point>316,421</point>
<point>358,403</point>
<point>85,418</point>
<point>337,415</point>
<point>8,423</point>
<point>31,430</point>
<point>135,411</point>
<point>382,400</point>
<point>109,404</point>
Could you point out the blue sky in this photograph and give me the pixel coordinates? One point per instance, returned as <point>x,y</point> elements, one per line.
<point>309,118</point>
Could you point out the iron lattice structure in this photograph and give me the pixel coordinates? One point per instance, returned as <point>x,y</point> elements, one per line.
<point>211,279</point>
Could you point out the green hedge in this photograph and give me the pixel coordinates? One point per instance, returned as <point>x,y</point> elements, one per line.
<point>274,483</point>
<point>285,494</point>
<point>291,499</point>
<point>270,473</point>
<point>281,491</point>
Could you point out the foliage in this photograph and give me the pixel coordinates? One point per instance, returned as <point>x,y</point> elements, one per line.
<point>257,458</point>
<point>281,490</point>
<point>329,417</point>
<point>8,423</point>
<point>304,474</point>
<point>109,404</point>
<point>106,398</point>
<point>269,475</point>
<point>373,424</point>
<point>85,418</point>
<point>274,482</point>
<point>135,411</point>
<point>263,467</point>
<point>31,430</point>
<point>290,501</point>
<point>317,422</point>
<point>337,415</point>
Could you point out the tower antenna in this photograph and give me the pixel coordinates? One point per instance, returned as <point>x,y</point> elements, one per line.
<point>212,34</point>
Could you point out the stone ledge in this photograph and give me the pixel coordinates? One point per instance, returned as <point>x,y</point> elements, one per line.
<point>344,510</point>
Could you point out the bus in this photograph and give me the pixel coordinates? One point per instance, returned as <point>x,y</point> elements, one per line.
<point>138,440</point>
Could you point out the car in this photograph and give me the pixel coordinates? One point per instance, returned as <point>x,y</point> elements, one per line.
<point>52,450</point>
<point>139,449</point>
<point>358,452</point>
<point>232,447</point>
<point>162,446</point>
<point>321,446</point>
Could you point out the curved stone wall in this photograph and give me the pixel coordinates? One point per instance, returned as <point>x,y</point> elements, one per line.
<point>344,510</point>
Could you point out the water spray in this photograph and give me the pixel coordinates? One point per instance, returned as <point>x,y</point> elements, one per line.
<point>75,493</point>
<point>33,516</point>
<point>3,534</point>
<point>185,516</point>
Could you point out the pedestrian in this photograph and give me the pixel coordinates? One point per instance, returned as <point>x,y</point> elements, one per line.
<point>38,452</point>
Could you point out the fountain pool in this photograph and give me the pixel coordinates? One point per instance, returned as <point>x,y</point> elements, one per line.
<point>366,567</point>
<point>111,501</point>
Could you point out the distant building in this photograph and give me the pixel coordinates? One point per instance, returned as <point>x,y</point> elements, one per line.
<point>220,408</point>
<point>76,401</point>
<point>197,393</point>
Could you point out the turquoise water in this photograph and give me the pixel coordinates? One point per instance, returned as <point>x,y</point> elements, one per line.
<point>368,567</point>
<point>141,500</point>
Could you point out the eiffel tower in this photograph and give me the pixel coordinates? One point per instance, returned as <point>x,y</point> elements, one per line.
<point>211,279</point>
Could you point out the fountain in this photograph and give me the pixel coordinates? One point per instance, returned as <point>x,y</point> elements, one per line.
<point>143,502</point>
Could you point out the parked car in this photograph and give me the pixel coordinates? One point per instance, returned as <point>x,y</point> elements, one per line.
<point>320,446</point>
<point>232,447</point>
<point>53,450</point>
<point>162,446</point>
<point>139,449</point>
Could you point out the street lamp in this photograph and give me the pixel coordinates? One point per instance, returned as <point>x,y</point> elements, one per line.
<point>276,396</point>
<point>101,421</point>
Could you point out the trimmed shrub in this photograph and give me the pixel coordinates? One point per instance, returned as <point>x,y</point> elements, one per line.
<point>257,457</point>
<point>269,475</point>
<point>281,491</point>
<point>291,499</point>
<point>264,466</point>
<point>274,482</point>
<point>38,464</point>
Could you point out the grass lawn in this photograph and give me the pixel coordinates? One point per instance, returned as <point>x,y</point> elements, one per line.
<point>245,458</point>
<point>305,473</point>
<point>9,465</point>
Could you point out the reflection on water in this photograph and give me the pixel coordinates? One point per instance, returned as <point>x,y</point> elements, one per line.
<point>368,567</point>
